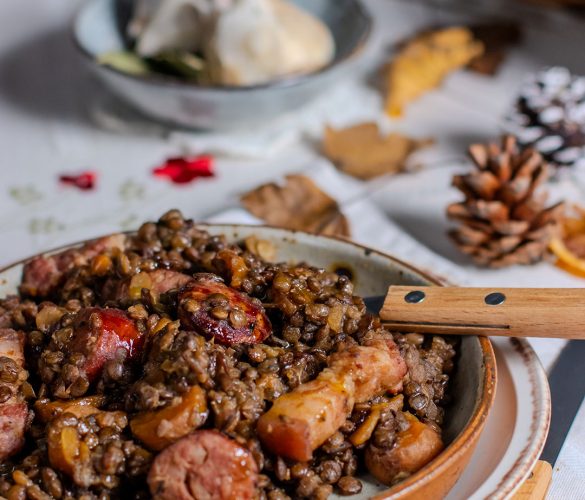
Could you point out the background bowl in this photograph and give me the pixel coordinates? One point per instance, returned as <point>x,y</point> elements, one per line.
<point>473,383</point>
<point>96,31</point>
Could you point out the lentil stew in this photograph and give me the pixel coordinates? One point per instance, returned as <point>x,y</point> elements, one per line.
<point>173,364</point>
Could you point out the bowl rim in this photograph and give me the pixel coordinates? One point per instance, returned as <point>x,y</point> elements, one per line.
<point>284,82</point>
<point>472,430</point>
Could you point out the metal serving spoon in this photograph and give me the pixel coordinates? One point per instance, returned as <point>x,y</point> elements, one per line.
<point>505,312</point>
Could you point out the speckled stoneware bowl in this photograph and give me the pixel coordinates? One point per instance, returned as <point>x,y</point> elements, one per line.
<point>474,381</point>
<point>167,99</point>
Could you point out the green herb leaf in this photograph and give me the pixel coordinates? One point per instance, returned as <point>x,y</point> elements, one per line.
<point>125,61</point>
<point>178,63</point>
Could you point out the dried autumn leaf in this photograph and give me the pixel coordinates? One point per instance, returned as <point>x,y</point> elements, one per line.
<point>424,62</point>
<point>497,38</point>
<point>298,204</point>
<point>363,152</point>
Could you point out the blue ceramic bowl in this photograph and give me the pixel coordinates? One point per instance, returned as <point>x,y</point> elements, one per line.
<point>170,100</point>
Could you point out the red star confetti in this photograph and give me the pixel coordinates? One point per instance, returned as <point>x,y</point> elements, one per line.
<point>185,170</point>
<point>84,180</point>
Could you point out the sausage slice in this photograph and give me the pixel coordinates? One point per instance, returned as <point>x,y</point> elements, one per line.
<point>302,420</point>
<point>211,308</point>
<point>100,334</point>
<point>13,409</point>
<point>42,275</point>
<point>204,465</point>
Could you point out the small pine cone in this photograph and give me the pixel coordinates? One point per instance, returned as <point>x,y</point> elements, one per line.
<point>550,116</point>
<point>503,220</point>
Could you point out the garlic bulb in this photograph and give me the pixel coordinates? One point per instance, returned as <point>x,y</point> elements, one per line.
<point>260,40</point>
<point>244,42</point>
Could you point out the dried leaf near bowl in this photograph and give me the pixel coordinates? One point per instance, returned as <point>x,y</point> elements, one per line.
<point>423,62</point>
<point>364,152</point>
<point>497,38</point>
<point>297,204</point>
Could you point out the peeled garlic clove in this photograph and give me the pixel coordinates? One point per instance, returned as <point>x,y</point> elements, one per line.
<point>259,40</point>
<point>175,25</point>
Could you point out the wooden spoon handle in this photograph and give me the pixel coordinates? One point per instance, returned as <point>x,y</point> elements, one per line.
<point>507,312</point>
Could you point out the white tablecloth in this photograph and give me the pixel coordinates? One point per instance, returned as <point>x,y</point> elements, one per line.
<point>55,119</point>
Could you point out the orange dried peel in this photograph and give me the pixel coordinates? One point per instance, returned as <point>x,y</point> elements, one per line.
<point>567,260</point>
<point>570,247</point>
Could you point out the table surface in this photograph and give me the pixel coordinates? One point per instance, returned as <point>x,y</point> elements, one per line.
<point>54,119</point>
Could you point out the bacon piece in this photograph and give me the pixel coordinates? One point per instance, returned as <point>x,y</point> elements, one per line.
<point>100,334</point>
<point>204,465</point>
<point>201,297</point>
<point>13,422</point>
<point>14,414</point>
<point>302,420</point>
<point>415,447</point>
<point>42,275</point>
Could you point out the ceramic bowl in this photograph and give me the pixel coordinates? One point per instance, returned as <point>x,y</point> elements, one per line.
<point>166,99</point>
<point>372,272</point>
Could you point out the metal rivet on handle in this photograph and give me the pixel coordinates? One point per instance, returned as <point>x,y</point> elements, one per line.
<point>415,297</point>
<point>495,299</point>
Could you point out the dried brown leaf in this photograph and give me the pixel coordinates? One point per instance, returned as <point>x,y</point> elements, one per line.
<point>298,204</point>
<point>497,38</point>
<point>363,152</point>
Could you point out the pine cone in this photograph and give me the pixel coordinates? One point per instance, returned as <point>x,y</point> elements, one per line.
<point>503,220</point>
<point>550,116</point>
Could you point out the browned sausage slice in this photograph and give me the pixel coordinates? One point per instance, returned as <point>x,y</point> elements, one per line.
<point>13,409</point>
<point>99,334</point>
<point>204,465</point>
<point>302,420</point>
<point>217,311</point>
<point>42,275</point>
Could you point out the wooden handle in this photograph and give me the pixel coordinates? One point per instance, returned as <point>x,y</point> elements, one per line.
<point>536,486</point>
<point>507,312</point>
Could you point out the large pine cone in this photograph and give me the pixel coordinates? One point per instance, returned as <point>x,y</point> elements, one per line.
<point>503,219</point>
<point>550,116</point>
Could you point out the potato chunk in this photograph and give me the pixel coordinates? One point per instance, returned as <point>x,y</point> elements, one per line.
<point>158,429</point>
<point>415,447</point>
<point>47,410</point>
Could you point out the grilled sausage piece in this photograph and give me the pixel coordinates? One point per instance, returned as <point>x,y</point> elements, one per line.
<point>100,334</point>
<point>203,465</point>
<point>217,311</point>
<point>42,275</point>
<point>414,447</point>
<point>305,418</point>
<point>14,413</point>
